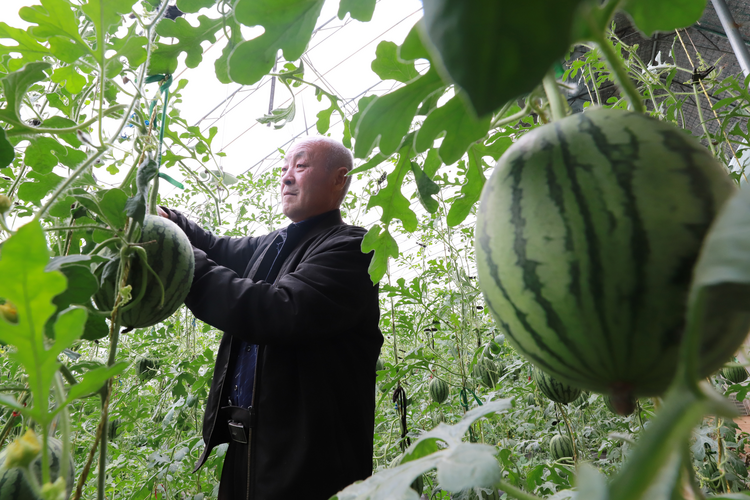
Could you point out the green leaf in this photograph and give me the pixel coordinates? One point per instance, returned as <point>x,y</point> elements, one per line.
<point>43,185</point>
<point>384,246</point>
<point>74,82</point>
<point>591,483</point>
<point>324,117</point>
<point>361,10</point>
<point>460,127</point>
<point>721,277</point>
<point>93,380</point>
<point>432,163</point>
<point>105,14</point>
<point>279,116</point>
<point>15,85</point>
<point>53,18</point>
<point>484,48</point>
<point>426,189</point>
<point>193,6</point>
<point>96,328</point>
<point>31,289</point>
<point>81,286</point>
<point>67,50</point>
<point>467,465</point>
<point>388,118</point>
<point>112,206</point>
<point>388,67</point>
<point>374,162</point>
<point>288,26</point>
<point>189,39</point>
<point>28,46</point>
<point>461,465</point>
<point>391,199</point>
<point>470,191</point>
<point>7,152</point>
<point>664,15</point>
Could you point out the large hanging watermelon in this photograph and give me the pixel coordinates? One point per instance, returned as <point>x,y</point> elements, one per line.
<point>170,255</point>
<point>587,234</point>
<point>734,374</point>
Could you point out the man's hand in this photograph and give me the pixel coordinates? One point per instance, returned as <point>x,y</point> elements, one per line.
<point>161,213</point>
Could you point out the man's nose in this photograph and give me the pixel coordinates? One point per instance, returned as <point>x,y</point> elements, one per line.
<point>286,178</point>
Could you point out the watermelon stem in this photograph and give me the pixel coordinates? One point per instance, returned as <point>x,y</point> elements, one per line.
<point>500,122</point>
<point>558,106</point>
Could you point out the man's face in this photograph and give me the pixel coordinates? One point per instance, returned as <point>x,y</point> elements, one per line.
<point>307,187</point>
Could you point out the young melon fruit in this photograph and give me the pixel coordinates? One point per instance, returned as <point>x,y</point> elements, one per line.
<point>586,238</point>
<point>439,390</point>
<point>561,447</point>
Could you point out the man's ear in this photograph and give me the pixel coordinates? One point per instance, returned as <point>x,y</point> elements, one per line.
<point>340,178</point>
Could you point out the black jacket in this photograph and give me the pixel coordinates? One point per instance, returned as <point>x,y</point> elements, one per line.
<point>317,328</point>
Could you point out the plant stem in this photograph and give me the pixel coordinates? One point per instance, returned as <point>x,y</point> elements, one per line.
<point>512,118</point>
<point>570,431</point>
<point>64,426</point>
<point>700,117</point>
<point>618,68</point>
<point>557,103</point>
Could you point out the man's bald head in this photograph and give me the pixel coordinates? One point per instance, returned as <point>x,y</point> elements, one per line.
<point>314,176</point>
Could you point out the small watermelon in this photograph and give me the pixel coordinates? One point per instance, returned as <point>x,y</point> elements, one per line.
<point>561,448</point>
<point>582,401</point>
<point>486,372</point>
<point>439,390</point>
<point>13,484</point>
<point>554,390</point>
<point>734,374</point>
<point>586,238</point>
<point>146,368</point>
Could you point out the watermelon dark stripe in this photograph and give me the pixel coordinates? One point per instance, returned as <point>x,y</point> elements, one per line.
<point>587,233</point>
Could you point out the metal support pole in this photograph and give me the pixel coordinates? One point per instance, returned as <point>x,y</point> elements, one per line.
<point>735,39</point>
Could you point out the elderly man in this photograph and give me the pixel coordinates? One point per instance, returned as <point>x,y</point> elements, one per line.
<point>293,391</point>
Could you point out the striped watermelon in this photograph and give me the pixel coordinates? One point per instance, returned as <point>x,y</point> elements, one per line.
<point>439,390</point>
<point>582,401</point>
<point>13,484</point>
<point>146,368</point>
<point>170,255</point>
<point>561,447</point>
<point>486,372</point>
<point>734,374</point>
<point>554,390</point>
<point>586,237</point>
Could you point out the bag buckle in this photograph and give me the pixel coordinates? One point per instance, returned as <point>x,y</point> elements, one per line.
<point>237,432</point>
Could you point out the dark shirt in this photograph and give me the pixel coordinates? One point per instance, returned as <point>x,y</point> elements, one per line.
<point>241,390</point>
